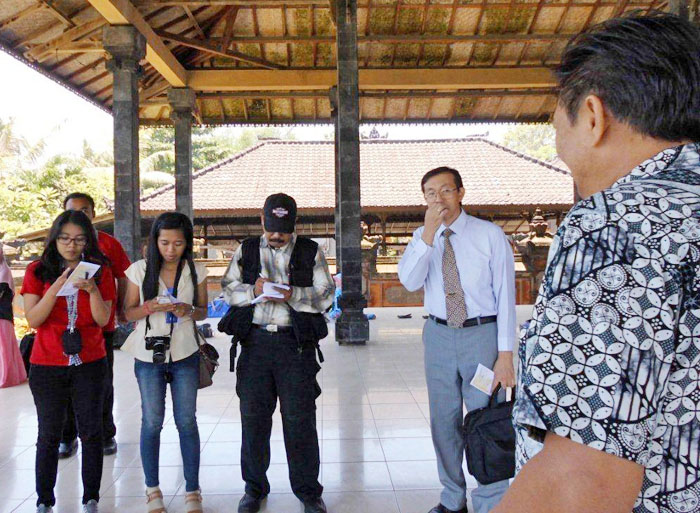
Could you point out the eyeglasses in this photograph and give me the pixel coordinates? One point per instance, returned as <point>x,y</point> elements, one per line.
<point>443,193</point>
<point>64,240</point>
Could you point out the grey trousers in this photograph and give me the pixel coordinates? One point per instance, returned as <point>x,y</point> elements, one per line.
<point>451,358</point>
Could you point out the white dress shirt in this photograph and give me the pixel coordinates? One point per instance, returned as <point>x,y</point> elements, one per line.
<point>486,270</point>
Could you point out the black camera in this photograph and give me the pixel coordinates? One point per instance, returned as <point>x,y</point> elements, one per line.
<point>159,345</point>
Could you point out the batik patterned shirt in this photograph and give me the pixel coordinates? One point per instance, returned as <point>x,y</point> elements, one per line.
<point>611,358</point>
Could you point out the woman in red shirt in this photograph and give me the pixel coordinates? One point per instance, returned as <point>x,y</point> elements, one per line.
<point>68,357</point>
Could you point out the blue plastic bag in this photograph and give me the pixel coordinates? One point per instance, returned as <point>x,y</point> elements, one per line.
<point>217,308</point>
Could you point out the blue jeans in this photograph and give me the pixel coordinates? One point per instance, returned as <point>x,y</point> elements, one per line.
<point>184,380</point>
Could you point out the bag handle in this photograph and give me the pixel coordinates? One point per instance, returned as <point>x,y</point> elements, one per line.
<point>493,401</point>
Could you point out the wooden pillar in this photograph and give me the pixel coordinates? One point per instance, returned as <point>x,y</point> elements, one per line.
<point>352,327</point>
<point>126,47</point>
<point>383,222</point>
<point>205,238</point>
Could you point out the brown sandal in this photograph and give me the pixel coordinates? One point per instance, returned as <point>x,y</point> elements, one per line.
<point>155,502</point>
<point>193,502</point>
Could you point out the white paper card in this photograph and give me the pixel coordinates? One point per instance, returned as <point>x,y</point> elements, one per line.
<point>483,379</point>
<point>83,271</point>
<point>270,292</point>
<point>168,298</point>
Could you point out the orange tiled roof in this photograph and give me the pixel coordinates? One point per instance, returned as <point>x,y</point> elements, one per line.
<point>493,175</point>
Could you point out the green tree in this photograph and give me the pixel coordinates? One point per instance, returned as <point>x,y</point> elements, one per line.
<point>15,151</point>
<point>536,140</point>
<point>31,199</point>
<point>209,146</point>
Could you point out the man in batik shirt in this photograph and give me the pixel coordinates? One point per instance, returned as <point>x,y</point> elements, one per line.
<point>610,364</point>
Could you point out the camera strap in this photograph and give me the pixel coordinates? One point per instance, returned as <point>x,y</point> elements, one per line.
<point>174,294</point>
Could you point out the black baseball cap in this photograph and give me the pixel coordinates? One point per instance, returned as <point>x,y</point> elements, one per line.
<point>280,213</point>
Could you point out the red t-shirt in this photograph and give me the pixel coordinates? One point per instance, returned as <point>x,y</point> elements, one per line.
<point>48,344</point>
<point>113,250</point>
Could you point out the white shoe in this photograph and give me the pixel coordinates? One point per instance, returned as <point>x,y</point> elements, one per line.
<point>193,502</point>
<point>44,509</point>
<point>154,501</point>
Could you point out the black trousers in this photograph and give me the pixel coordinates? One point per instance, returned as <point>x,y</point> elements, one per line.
<point>272,365</point>
<point>53,388</point>
<point>109,430</point>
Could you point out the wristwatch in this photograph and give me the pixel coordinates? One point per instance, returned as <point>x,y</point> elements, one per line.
<point>192,310</point>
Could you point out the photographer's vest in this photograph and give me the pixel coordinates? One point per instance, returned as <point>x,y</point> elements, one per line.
<point>308,328</point>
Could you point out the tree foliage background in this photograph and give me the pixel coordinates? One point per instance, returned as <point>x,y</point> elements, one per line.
<point>534,140</point>
<point>34,184</point>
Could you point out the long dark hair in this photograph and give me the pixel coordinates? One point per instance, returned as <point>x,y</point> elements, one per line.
<point>52,263</point>
<point>154,260</point>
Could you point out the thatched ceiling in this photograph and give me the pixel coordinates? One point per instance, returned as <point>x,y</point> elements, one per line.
<point>437,60</point>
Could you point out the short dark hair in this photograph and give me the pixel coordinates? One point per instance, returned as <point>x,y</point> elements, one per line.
<point>644,68</point>
<point>438,171</point>
<point>79,195</point>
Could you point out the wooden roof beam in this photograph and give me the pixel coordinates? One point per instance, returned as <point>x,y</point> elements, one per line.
<point>46,28</point>
<point>195,23</point>
<point>84,46</point>
<point>40,51</point>
<point>215,49</point>
<point>18,16</point>
<point>263,4</point>
<point>373,79</point>
<point>323,94</point>
<point>57,13</point>
<point>123,12</point>
<point>408,39</point>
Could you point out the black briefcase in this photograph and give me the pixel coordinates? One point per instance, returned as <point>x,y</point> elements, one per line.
<point>489,440</point>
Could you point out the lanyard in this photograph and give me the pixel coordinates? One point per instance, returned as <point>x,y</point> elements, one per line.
<point>72,302</point>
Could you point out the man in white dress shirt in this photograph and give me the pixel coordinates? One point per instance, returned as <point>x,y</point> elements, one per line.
<point>467,269</point>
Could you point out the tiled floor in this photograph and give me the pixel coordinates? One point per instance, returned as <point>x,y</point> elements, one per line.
<point>376,451</point>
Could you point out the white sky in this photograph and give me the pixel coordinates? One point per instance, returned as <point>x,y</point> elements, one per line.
<point>43,109</point>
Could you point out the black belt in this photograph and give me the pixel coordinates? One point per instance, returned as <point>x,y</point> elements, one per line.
<point>474,321</point>
<point>273,328</point>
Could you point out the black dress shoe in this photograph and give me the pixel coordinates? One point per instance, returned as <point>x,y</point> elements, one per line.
<point>67,449</point>
<point>315,506</point>
<point>442,509</point>
<point>109,447</point>
<point>250,504</point>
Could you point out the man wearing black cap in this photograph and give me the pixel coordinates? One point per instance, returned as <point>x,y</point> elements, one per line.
<point>279,338</point>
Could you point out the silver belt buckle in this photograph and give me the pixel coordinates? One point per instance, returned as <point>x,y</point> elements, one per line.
<point>272,328</point>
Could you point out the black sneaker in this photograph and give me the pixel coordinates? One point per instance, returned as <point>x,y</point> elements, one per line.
<point>315,506</point>
<point>67,449</point>
<point>250,504</point>
<point>109,447</point>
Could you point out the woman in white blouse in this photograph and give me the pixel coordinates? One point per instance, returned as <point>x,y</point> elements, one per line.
<point>166,294</point>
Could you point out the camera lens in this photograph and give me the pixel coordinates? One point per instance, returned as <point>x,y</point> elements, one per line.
<point>159,353</point>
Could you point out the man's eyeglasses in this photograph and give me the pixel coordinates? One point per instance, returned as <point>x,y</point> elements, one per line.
<point>64,240</point>
<point>443,193</point>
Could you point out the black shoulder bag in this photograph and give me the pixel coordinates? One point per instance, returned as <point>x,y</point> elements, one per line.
<point>489,439</point>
